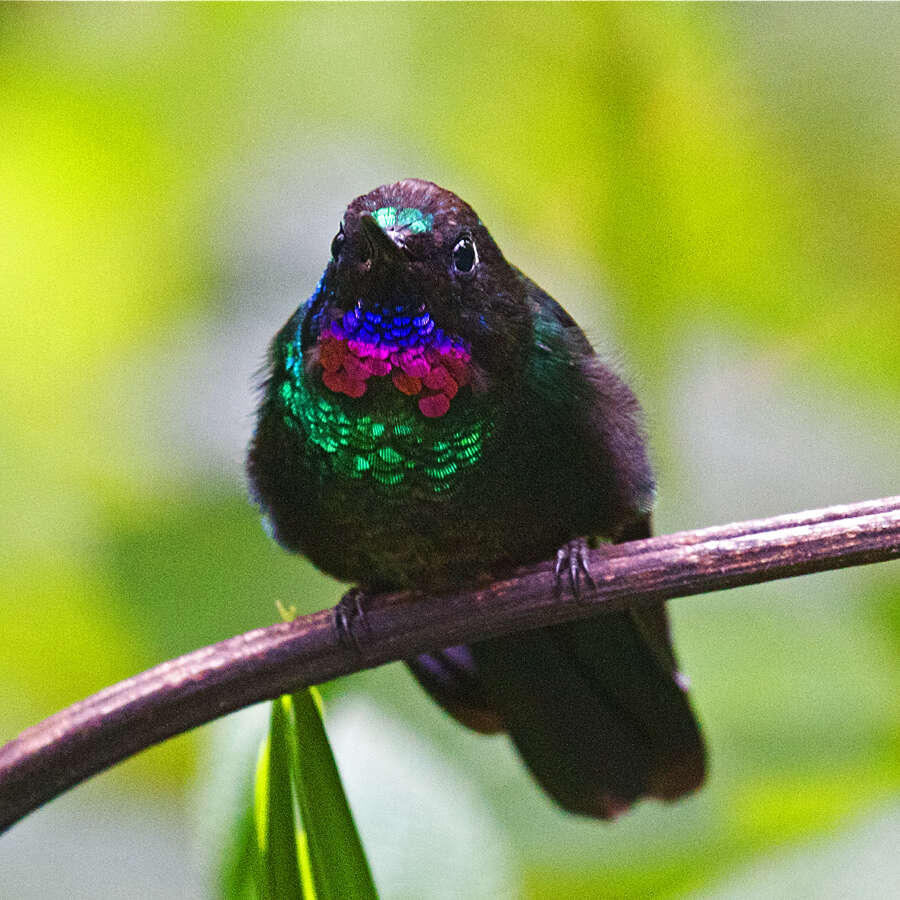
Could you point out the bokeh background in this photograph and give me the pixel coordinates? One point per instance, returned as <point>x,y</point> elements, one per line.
<point>712,190</point>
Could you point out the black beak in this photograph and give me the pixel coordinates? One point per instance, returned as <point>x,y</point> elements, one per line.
<point>376,247</point>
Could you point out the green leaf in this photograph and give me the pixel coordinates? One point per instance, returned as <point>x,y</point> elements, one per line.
<point>278,869</point>
<point>337,862</point>
<point>297,782</point>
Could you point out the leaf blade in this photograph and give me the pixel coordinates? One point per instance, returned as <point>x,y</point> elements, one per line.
<point>337,860</point>
<point>279,871</point>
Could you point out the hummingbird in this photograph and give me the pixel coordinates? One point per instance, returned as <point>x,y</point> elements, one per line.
<point>431,418</point>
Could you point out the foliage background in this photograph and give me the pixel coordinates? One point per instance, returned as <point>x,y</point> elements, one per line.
<point>712,190</point>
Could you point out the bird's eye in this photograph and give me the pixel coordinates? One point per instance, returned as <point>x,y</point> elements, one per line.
<point>464,254</point>
<point>337,243</point>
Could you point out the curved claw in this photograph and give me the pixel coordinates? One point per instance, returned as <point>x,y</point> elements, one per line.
<point>349,609</point>
<point>570,558</point>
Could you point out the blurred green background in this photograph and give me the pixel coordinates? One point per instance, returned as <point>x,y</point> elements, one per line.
<point>713,192</point>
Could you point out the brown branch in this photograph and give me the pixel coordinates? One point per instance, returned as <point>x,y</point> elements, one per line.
<point>180,694</point>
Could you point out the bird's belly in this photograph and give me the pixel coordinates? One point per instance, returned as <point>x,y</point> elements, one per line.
<point>392,497</point>
<point>387,498</point>
<point>408,536</point>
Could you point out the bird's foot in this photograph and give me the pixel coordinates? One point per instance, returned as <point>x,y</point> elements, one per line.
<point>572,564</point>
<point>351,609</point>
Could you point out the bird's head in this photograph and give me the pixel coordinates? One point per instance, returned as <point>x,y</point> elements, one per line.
<point>416,290</point>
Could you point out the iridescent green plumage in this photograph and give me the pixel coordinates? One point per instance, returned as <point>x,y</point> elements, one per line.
<point>414,220</point>
<point>391,445</point>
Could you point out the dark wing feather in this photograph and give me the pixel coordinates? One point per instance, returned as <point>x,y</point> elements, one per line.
<point>596,719</point>
<point>450,677</point>
<point>594,707</point>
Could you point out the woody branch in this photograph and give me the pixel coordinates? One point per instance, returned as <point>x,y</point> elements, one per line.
<point>180,694</point>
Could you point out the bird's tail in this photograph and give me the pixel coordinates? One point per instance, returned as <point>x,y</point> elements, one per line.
<point>596,708</point>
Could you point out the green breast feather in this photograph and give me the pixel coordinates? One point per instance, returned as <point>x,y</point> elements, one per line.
<point>396,449</point>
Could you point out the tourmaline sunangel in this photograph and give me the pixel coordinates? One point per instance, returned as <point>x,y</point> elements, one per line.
<point>431,418</point>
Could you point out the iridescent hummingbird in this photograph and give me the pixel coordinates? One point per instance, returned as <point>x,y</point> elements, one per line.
<point>432,418</point>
